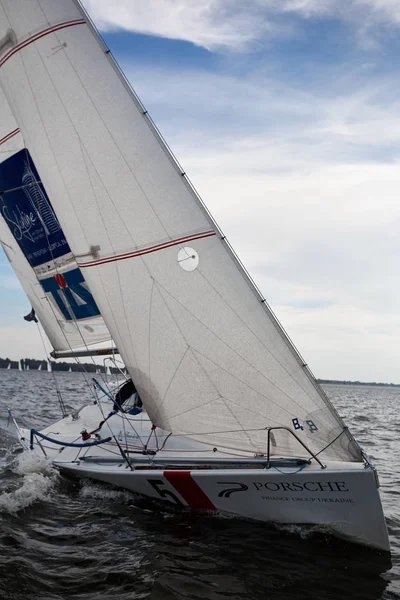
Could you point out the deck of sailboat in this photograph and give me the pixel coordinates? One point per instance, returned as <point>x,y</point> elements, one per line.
<point>144,448</point>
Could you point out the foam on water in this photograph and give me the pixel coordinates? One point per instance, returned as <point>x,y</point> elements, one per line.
<point>90,489</point>
<point>35,478</point>
<point>35,487</point>
<point>32,462</point>
<point>303,531</point>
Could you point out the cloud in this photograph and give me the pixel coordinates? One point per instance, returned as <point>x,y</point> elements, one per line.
<point>29,344</point>
<point>235,25</point>
<point>212,24</point>
<point>346,342</point>
<point>306,188</point>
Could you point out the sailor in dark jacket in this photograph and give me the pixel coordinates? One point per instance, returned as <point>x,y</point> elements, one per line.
<point>125,392</point>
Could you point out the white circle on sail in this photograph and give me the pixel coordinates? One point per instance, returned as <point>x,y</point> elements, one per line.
<point>188,258</point>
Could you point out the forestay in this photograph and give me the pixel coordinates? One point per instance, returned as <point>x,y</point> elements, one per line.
<point>205,352</point>
<point>37,250</point>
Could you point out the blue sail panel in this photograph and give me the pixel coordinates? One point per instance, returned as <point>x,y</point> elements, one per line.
<point>28,212</point>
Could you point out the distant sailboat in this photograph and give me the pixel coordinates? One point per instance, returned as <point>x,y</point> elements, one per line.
<point>39,367</point>
<point>234,420</point>
<point>20,365</point>
<point>49,366</point>
<point>9,366</point>
<point>69,370</point>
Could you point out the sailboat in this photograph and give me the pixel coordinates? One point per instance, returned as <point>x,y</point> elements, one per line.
<point>118,254</point>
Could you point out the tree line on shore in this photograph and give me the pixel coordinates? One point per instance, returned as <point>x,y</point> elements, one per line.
<point>32,364</point>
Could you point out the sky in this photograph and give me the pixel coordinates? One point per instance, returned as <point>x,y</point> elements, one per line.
<point>285,114</point>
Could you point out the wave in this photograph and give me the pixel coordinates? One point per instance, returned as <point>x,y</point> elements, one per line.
<point>35,478</point>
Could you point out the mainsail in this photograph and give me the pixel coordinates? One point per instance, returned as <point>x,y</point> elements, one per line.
<point>36,247</point>
<point>208,357</point>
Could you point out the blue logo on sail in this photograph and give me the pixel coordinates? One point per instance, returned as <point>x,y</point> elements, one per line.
<point>39,202</point>
<point>71,294</point>
<point>27,211</point>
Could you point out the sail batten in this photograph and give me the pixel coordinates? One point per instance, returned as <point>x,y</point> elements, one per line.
<point>34,38</point>
<point>148,249</point>
<point>8,136</point>
<point>206,353</point>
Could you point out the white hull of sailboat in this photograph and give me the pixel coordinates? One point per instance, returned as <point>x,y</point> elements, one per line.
<point>342,498</point>
<point>342,501</point>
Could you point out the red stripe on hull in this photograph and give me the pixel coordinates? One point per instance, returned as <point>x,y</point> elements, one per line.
<point>186,486</point>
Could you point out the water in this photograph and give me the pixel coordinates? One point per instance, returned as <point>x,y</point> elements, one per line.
<point>61,539</point>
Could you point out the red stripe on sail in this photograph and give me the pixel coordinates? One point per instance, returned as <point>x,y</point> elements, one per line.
<point>148,250</point>
<point>186,486</point>
<point>9,136</point>
<point>39,35</point>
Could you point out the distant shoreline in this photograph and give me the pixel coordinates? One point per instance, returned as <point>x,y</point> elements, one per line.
<point>33,364</point>
<point>365,383</point>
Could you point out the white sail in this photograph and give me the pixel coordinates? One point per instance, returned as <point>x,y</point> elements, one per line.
<point>49,367</point>
<point>206,354</point>
<point>9,366</point>
<point>27,227</point>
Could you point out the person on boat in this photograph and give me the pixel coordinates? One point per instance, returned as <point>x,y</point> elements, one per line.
<point>124,393</point>
<point>31,316</point>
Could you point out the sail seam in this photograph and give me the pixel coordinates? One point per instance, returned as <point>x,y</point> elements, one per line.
<point>38,36</point>
<point>148,250</point>
<point>7,137</point>
<point>235,352</point>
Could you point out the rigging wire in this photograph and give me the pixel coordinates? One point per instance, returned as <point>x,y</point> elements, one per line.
<point>58,391</point>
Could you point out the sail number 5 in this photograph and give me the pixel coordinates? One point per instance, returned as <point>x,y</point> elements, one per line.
<point>158,486</point>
